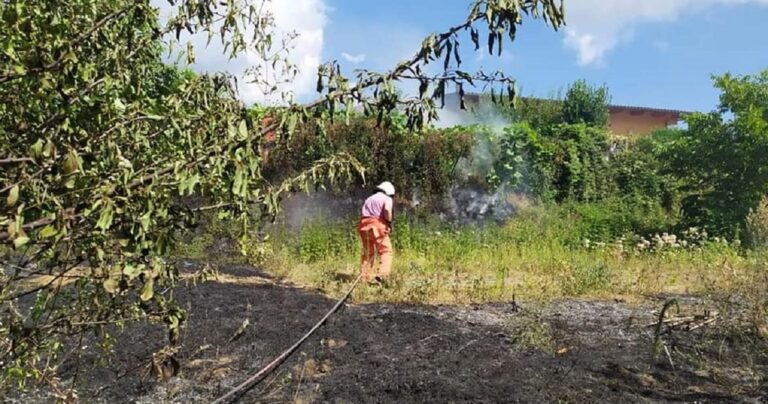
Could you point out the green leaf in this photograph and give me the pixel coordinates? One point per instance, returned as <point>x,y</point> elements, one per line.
<point>105,218</point>
<point>188,183</point>
<point>118,104</point>
<point>239,186</point>
<point>131,271</point>
<point>231,131</point>
<point>146,221</point>
<point>124,163</point>
<point>13,196</point>
<point>174,322</point>
<point>491,42</point>
<point>48,232</point>
<point>37,149</point>
<point>49,150</point>
<point>148,290</point>
<point>242,129</point>
<point>292,121</point>
<point>20,241</point>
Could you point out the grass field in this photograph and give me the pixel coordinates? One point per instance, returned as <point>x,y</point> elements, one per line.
<point>535,256</point>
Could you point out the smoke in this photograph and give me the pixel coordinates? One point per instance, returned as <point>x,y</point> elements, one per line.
<point>471,200</point>
<point>450,116</point>
<point>470,205</point>
<point>482,113</point>
<point>301,208</point>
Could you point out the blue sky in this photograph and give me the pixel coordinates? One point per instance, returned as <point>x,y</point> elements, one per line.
<point>658,53</point>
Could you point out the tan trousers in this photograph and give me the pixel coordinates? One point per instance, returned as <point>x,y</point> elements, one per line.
<point>374,234</point>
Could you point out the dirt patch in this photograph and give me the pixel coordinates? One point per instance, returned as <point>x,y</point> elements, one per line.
<point>572,351</point>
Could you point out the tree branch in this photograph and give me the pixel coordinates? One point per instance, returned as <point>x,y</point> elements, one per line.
<point>14,160</point>
<point>44,286</point>
<point>58,62</point>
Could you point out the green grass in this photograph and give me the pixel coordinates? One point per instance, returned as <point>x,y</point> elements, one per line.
<point>541,254</point>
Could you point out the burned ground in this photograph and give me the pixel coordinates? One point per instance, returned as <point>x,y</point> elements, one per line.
<point>572,351</point>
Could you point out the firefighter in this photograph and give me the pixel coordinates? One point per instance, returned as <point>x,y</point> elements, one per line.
<point>374,228</point>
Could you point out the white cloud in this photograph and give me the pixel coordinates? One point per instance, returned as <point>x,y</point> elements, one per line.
<point>595,27</point>
<point>354,59</point>
<point>307,18</point>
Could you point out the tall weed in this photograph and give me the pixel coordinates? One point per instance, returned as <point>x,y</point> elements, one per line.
<point>541,253</point>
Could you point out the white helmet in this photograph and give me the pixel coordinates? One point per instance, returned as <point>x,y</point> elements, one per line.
<point>387,188</point>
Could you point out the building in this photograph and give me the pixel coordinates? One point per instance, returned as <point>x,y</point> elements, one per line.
<point>623,120</point>
<point>637,121</point>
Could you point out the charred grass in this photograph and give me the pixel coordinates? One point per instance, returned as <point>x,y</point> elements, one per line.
<point>568,350</point>
<point>590,326</point>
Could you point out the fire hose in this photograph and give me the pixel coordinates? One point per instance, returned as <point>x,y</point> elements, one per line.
<point>252,381</point>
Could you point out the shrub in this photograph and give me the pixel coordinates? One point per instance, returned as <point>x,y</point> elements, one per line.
<point>569,163</point>
<point>639,172</point>
<point>757,225</point>
<point>425,161</point>
<point>586,104</point>
<point>582,103</point>
<point>615,217</point>
<point>722,156</point>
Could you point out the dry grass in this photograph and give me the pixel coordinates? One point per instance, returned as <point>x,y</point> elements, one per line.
<point>498,271</point>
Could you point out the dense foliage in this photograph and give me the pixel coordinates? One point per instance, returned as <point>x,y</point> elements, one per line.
<point>709,175</point>
<point>586,104</point>
<point>582,104</point>
<point>100,140</point>
<point>423,162</point>
<point>723,156</point>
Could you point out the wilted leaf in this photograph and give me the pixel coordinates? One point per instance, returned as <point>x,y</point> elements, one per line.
<point>110,285</point>
<point>72,163</point>
<point>148,290</point>
<point>13,196</point>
